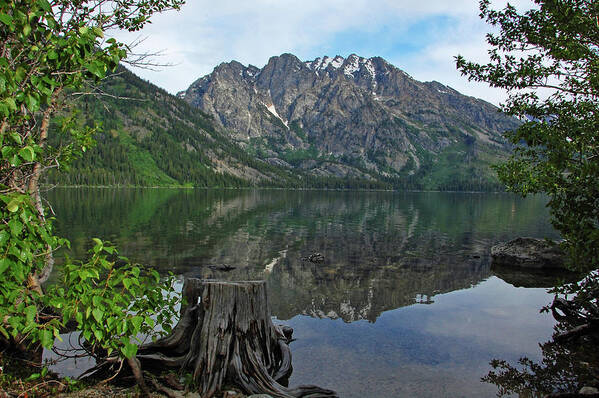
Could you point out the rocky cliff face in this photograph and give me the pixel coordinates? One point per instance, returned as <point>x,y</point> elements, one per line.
<point>351,117</point>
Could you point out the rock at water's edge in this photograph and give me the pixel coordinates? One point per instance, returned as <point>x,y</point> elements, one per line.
<point>528,253</point>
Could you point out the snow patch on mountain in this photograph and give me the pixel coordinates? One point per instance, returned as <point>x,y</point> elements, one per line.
<point>325,62</point>
<point>337,62</point>
<point>320,64</point>
<point>349,66</point>
<point>271,108</point>
<point>370,68</point>
<point>352,65</point>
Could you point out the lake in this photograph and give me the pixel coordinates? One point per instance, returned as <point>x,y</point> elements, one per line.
<point>405,303</point>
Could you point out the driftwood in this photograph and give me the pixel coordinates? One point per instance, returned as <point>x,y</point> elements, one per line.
<point>225,336</point>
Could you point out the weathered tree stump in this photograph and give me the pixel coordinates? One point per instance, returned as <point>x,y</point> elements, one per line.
<point>225,336</point>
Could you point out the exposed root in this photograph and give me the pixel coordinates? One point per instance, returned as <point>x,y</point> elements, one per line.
<point>139,378</point>
<point>227,337</point>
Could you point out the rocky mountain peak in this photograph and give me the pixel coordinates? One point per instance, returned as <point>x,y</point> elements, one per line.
<point>320,64</point>
<point>349,66</point>
<point>347,117</point>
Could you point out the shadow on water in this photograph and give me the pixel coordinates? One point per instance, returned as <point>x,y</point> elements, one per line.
<point>383,252</point>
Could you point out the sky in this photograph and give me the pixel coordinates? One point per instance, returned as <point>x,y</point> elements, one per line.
<point>421,37</point>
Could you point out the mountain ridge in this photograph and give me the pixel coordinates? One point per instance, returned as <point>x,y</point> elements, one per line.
<point>354,116</point>
<point>327,123</point>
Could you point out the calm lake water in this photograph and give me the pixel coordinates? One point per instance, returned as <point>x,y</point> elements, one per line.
<point>405,303</point>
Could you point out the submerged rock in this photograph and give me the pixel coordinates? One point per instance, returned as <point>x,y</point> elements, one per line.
<point>528,253</point>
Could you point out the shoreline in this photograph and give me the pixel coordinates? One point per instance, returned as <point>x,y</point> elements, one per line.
<point>266,189</point>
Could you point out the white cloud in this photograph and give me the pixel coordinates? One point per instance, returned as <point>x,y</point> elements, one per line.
<point>205,33</point>
<point>436,61</point>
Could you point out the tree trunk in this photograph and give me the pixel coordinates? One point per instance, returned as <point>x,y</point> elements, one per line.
<point>225,336</point>
<point>34,189</point>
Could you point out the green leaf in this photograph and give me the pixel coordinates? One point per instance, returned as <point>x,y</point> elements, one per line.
<point>96,301</point>
<point>13,205</point>
<point>110,322</point>
<point>15,227</point>
<point>26,29</point>
<point>98,32</point>
<point>98,314</point>
<point>10,102</point>
<point>15,160</point>
<point>56,333</point>
<point>136,321</point>
<point>33,376</point>
<point>4,332</point>
<point>122,327</point>
<point>30,313</point>
<point>149,321</point>
<point>4,236</point>
<point>57,302</point>
<point>15,323</point>
<point>12,250</point>
<point>98,334</point>
<point>4,264</point>
<point>20,74</point>
<point>7,151</point>
<point>32,103</point>
<point>6,19</point>
<point>46,338</point>
<point>16,137</point>
<point>44,5</point>
<point>27,153</point>
<point>129,350</point>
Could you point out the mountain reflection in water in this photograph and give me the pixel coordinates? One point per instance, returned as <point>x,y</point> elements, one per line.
<point>382,251</point>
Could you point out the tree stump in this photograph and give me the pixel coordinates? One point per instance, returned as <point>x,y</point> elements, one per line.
<point>225,336</point>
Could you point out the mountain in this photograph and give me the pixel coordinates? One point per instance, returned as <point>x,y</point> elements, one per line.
<point>355,118</point>
<point>149,137</point>
<point>327,123</point>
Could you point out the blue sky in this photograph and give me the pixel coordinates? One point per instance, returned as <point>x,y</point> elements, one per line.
<point>420,37</point>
